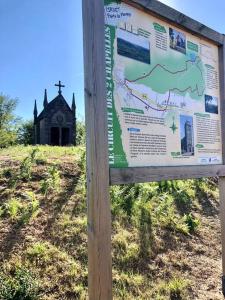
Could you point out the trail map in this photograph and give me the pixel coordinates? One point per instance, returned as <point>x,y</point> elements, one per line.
<point>163,93</point>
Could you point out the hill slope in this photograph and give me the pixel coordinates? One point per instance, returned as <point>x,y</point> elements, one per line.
<point>166,237</point>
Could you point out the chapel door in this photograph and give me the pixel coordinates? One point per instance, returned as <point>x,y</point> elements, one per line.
<point>65,136</point>
<point>55,136</point>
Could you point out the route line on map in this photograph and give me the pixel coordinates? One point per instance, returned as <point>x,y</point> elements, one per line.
<point>171,72</point>
<point>170,90</point>
<point>145,103</point>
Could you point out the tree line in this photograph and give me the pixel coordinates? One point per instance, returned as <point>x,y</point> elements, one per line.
<point>14,130</point>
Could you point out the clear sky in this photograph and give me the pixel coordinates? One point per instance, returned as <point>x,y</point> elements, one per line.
<point>41,43</point>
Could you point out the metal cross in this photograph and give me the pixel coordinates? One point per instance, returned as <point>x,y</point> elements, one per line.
<point>60,86</point>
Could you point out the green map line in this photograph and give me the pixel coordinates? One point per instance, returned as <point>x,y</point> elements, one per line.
<point>147,104</point>
<point>196,89</point>
<point>173,73</point>
<point>167,102</point>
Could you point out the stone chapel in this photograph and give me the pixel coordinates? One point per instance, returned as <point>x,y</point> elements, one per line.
<point>56,124</point>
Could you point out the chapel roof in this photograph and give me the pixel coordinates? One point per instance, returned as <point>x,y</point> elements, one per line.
<point>56,102</point>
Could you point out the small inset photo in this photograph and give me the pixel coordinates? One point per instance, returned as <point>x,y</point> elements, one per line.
<point>133,46</point>
<point>211,104</point>
<point>187,135</point>
<point>177,40</point>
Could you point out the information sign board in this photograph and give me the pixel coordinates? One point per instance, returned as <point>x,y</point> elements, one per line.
<point>163,92</point>
<point>154,106</point>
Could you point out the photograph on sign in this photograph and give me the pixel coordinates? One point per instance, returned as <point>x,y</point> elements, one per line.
<point>163,92</point>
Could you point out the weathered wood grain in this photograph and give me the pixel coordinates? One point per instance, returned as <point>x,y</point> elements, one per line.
<point>99,215</point>
<point>222,218</point>
<point>170,14</point>
<point>222,94</point>
<point>222,179</point>
<point>150,174</point>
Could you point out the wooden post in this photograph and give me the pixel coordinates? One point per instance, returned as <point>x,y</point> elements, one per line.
<point>99,214</point>
<point>222,179</point>
<point>222,218</point>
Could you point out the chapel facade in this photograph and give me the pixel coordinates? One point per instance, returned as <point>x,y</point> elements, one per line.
<point>56,124</point>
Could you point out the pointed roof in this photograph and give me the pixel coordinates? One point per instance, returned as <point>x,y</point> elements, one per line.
<point>35,107</point>
<point>73,103</point>
<point>45,103</point>
<point>57,101</point>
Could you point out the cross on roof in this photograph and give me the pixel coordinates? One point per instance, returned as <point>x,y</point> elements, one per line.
<point>60,86</point>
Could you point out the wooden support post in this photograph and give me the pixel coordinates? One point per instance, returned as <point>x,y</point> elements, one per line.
<point>222,218</point>
<point>99,213</point>
<point>222,178</point>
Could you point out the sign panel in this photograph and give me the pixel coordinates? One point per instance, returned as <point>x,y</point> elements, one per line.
<point>163,92</point>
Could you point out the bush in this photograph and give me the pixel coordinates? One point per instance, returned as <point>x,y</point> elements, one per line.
<point>20,210</point>
<point>177,287</point>
<point>21,285</point>
<point>81,133</point>
<point>13,207</point>
<point>192,222</point>
<point>8,121</point>
<point>145,231</point>
<point>30,209</point>
<point>25,133</point>
<point>27,164</point>
<point>52,181</point>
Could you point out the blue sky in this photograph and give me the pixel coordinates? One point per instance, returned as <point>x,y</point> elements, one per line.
<point>41,43</point>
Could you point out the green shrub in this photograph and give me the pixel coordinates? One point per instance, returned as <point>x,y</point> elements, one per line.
<point>27,164</point>
<point>177,287</point>
<point>2,211</point>
<point>165,212</point>
<point>192,222</point>
<point>13,208</point>
<point>31,208</point>
<point>52,181</point>
<point>82,161</point>
<point>20,285</point>
<point>168,186</point>
<point>7,287</point>
<point>11,177</point>
<point>21,211</point>
<point>41,161</point>
<point>124,199</point>
<point>12,183</point>
<point>81,133</point>
<point>33,155</point>
<point>7,173</point>
<point>166,216</point>
<point>25,169</point>
<point>145,230</point>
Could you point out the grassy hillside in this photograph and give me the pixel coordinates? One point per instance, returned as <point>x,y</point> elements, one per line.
<point>166,236</point>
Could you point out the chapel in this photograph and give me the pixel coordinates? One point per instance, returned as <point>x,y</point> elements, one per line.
<point>56,124</point>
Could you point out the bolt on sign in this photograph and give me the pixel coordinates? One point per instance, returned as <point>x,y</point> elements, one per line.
<point>155,105</point>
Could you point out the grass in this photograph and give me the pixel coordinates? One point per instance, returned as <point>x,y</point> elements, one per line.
<point>21,152</point>
<point>43,225</point>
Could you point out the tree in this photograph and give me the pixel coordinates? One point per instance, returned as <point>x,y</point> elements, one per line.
<point>8,121</point>
<point>25,133</point>
<point>81,133</point>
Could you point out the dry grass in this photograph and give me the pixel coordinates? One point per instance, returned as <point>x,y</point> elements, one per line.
<point>155,256</point>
